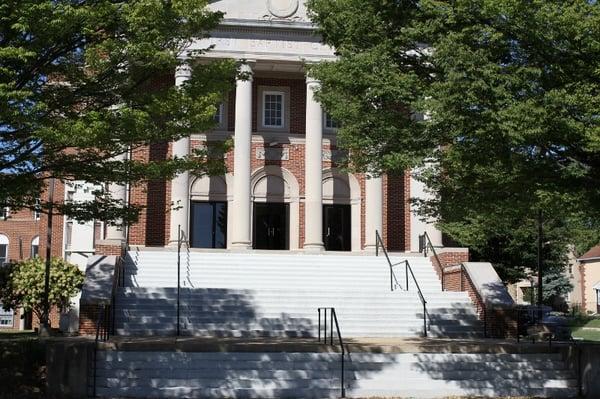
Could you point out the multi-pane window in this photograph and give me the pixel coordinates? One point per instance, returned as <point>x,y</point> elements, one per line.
<point>3,249</point>
<point>5,212</point>
<point>272,109</point>
<point>6,317</point>
<point>331,123</point>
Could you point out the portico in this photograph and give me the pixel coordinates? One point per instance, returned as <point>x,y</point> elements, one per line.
<point>284,188</point>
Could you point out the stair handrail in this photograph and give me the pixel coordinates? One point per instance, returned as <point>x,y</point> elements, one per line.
<point>424,245</point>
<point>407,268</point>
<point>118,281</point>
<point>379,244</point>
<point>426,315</point>
<point>333,318</point>
<point>102,334</point>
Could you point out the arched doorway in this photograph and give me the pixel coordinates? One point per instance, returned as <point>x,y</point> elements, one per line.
<point>341,211</point>
<point>209,223</point>
<point>275,195</point>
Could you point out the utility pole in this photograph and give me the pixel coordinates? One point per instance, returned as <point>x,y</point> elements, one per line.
<point>44,323</point>
<point>540,261</point>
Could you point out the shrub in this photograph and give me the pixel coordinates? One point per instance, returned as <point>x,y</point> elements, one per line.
<point>24,285</point>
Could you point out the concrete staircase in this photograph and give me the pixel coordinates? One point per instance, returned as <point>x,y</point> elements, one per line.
<point>317,375</point>
<point>277,295</point>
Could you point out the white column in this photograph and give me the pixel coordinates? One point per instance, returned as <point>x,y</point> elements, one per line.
<point>180,196</point>
<point>241,234</point>
<point>313,169</point>
<point>373,210</point>
<point>118,192</point>
<point>418,226</point>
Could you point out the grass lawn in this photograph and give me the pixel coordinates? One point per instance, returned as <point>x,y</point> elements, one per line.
<point>22,365</point>
<point>588,335</point>
<point>586,328</point>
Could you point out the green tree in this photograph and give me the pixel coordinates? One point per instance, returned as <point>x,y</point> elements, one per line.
<point>82,82</point>
<point>24,285</point>
<point>493,102</point>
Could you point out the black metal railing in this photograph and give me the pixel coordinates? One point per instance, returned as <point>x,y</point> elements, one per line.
<point>333,319</point>
<point>379,244</point>
<point>425,245</point>
<point>407,271</point>
<point>181,240</point>
<point>118,281</point>
<point>102,334</point>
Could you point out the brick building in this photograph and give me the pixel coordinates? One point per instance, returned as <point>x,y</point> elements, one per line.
<point>23,235</point>
<point>283,189</point>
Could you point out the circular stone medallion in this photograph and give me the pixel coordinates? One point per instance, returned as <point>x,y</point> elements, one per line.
<point>282,8</point>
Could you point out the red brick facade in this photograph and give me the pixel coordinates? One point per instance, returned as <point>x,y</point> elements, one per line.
<point>153,227</point>
<point>21,227</point>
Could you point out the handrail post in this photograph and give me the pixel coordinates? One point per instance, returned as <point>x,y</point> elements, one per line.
<point>484,321</point>
<point>406,273</point>
<point>325,329</point>
<point>331,326</point>
<point>425,319</point>
<point>319,326</point>
<point>178,273</point>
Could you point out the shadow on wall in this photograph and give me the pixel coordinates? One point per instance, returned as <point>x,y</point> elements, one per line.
<point>218,374</point>
<point>214,312</point>
<point>503,374</point>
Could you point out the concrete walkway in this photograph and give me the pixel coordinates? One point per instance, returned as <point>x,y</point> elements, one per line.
<point>368,345</point>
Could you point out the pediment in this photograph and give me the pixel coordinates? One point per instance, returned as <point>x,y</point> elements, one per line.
<point>276,10</point>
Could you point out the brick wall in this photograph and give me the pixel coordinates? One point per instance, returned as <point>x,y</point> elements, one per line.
<point>152,228</point>
<point>107,249</point>
<point>498,321</point>
<point>53,319</point>
<point>88,316</point>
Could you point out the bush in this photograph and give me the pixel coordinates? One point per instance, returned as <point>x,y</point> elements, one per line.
<point>24,285</point>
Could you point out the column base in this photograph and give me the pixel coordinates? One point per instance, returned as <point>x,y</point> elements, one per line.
<point>370,248</point>
<point>317,247</point>
<point>241,246</point>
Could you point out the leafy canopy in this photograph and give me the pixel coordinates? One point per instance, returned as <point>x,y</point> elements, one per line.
<point>83,82</point>
<point>495,103</point>
<point>23,284</point>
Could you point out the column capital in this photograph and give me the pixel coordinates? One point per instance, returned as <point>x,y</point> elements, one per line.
<point>312,81</point>
<point>183,71</point>
<point>246,68</point>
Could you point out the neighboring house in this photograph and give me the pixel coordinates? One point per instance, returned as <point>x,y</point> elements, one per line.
<point>23,235</point>
<point>19,239</point>
<point>587,274</point>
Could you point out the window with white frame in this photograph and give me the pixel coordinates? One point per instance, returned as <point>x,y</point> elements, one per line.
<point>35,247</point>
<point>331,123</point>
<point>37,210</point>
<point>6,317</point>
<point>5,212</point>
<point>3,249</point>
<point>273,109</point>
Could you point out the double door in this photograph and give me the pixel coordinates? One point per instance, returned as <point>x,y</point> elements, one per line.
<point>208,225</point>
<point>336,227</point>
<point>271,226</point>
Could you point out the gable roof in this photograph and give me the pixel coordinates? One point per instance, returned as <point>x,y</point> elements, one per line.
<point>593,253</point>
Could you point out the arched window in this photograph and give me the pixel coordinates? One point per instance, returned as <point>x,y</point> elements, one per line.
<point>3,249</point>
<point>35,247</point>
